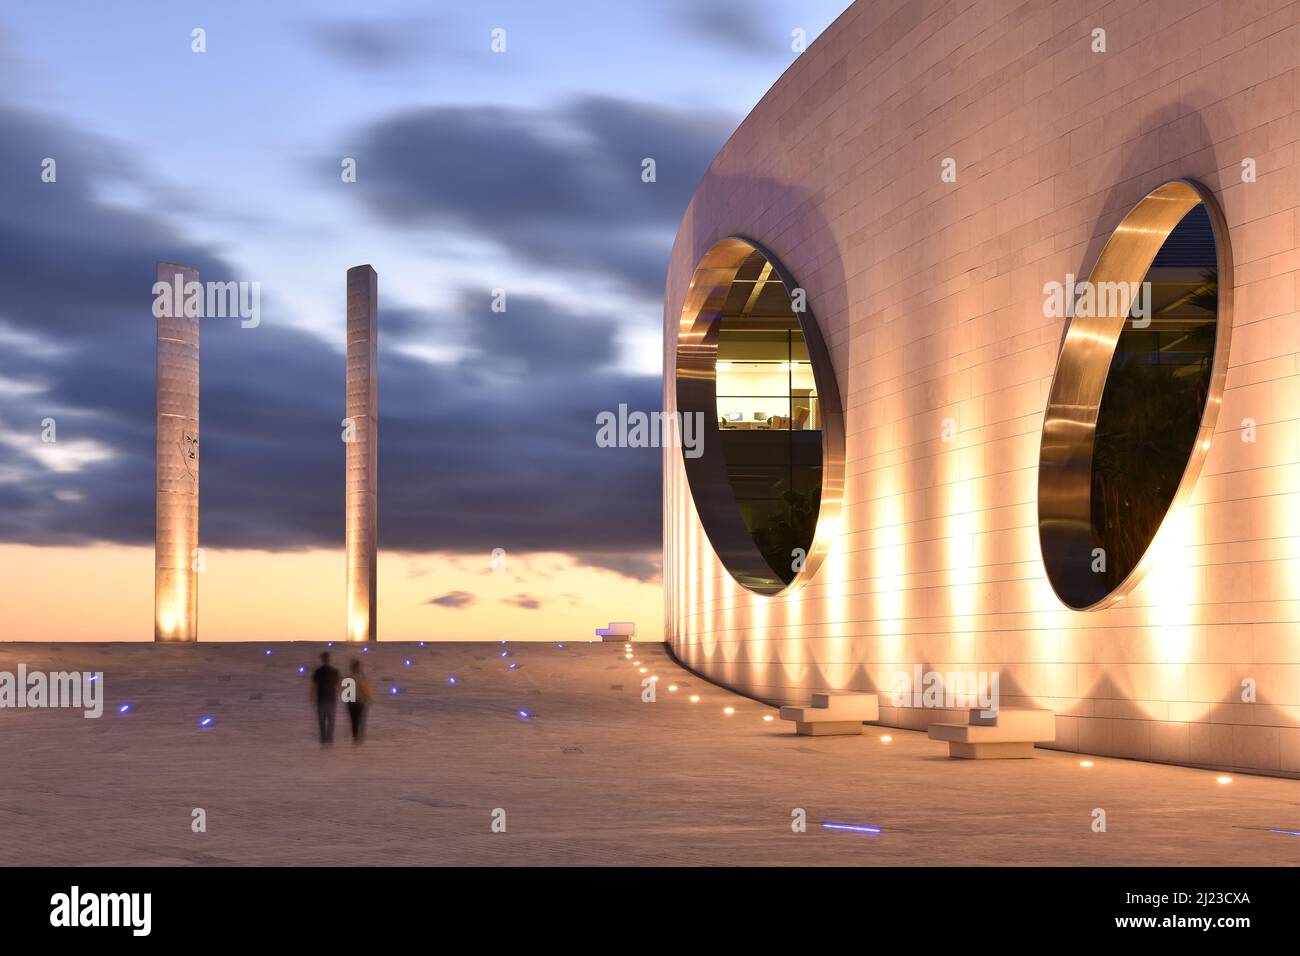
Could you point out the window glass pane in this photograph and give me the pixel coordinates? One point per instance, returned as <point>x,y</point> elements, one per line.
<point>767,414</point>
<point>1154,396</point>
<point>753,412</point>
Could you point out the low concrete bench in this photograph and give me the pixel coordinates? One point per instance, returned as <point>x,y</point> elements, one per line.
<point>617,631</point>
<point>833,712</point>
<point>1011,732</point>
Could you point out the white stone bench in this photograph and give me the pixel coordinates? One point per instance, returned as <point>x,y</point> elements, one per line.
<point>833,712</point>
<point>617,631</point>
<point>1011,732</point>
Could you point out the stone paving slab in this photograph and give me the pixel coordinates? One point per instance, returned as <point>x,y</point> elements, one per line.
<point>593,775</point>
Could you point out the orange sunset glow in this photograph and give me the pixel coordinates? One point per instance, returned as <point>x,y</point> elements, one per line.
<point>105,593</point>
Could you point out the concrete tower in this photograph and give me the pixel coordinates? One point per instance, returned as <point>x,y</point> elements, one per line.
<point>361,491</point>
<point>176,529</point>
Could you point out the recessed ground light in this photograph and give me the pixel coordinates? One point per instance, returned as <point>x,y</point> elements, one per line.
<point>636,663</point>
<point>205,722</point>
<point>644,669</point>
<point>728,711</point>
<point>673,688</point>
<point>1224,779</point>
<point>695,698</point>
<point>1085,763</point>
<point>407,662</point>
<point>452,679</point>
<point>886,739</point>
<point>767,717</point>
<point>302,670</point>
<point>124,709</point>
<point>850,826</point>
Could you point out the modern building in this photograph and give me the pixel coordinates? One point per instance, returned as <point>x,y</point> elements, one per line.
<point>176,490</point>
<point>361,437</point>
<point>991,312</point>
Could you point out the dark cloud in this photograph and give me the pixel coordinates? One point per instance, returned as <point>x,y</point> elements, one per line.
<point>532,336</point>
<point>640,567</point>
<point>561,188</point>
<point>525,601</point>
<point>542,338</point>
<point>494,450</point>
<point>453,599</point>
<point>741,26</point>
<point>372,44</point>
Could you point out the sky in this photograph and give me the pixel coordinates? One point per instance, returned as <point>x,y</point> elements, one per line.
<point>475,171</point>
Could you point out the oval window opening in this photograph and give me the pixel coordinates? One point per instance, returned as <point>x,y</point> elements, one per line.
<point>1136,393</point>
<point>754,371</point>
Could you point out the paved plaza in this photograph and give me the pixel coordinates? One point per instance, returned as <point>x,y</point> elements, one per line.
<point>592,774</point>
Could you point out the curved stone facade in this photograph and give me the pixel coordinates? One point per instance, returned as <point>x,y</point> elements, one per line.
<point>929,295</point>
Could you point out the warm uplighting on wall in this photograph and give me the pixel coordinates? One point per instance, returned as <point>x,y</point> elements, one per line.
<point>1172,585</point>
<point>961,548</point>
<point>834,575</point>
<point>889,564</point>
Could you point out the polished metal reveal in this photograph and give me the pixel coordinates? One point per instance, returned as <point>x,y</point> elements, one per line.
<point>1067,532</point>
<point>711,486</point>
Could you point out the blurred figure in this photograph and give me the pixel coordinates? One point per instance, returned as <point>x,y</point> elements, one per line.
<point>357,707</point>
<point>325,691</point>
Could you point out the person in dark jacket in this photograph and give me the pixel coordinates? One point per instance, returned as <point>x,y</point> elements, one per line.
<point>325,691</point>
<point>360,703</point>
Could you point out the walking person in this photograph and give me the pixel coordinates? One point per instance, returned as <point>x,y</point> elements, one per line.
<point>362,696</point>
<point>325,691</point>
